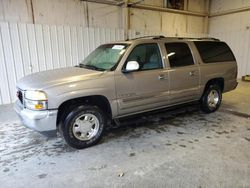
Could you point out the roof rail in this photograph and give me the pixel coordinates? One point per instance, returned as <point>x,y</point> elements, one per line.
<point>203,38</point>
<point>210,38</point>
<point>180,38</point>
<point>151,36</point>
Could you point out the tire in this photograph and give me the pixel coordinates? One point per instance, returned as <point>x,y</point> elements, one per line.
<point>211,99</point>
<point>83,126</point>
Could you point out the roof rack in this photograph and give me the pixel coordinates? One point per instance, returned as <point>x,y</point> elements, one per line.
<point>151,37</point>
<point>180,38</point>
<point>203,38</point>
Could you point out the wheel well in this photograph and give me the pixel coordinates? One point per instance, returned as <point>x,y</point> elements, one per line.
<point>98,100</point>
<point>218,81</point>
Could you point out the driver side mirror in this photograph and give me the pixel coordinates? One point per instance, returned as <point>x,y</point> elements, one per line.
<point>131,67</point>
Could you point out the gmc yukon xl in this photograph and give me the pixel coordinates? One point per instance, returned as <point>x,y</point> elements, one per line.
<point>122,79</point>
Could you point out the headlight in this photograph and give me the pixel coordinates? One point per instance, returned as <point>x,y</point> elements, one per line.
<point>35,105</point>
<point>35,100</point>
<point>36,95</point>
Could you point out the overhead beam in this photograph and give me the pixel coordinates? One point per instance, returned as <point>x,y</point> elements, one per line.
<point>107,2</point>
<point>137,5</point>
<point>162,9</point>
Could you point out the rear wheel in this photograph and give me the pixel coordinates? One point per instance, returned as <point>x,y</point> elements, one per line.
<point>83,126</point>
<point>211,99</point>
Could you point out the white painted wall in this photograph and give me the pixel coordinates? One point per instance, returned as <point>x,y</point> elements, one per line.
<point>223,5</point>
<point>76,12</point>
<point>234,29</point>
<point>61,12</point>
<point>15,11</point>
<point>177,24</point>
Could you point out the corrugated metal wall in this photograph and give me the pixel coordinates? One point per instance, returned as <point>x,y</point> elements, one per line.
<point>239,42</point>
<point>234,28</point>
<point>29,48</point>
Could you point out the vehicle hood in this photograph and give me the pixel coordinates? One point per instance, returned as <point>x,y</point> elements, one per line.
<point>46,79</point>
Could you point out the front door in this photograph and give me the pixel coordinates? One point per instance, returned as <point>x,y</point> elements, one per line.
<point>146,88</point>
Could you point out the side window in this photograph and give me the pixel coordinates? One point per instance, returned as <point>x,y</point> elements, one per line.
<point>147,55</point>
<point>214,52</point>
<point>179,54</point>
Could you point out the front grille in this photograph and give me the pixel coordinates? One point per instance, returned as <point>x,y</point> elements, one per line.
<point>20,96</point>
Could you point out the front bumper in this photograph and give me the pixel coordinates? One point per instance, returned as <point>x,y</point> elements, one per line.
<point>41,121</point>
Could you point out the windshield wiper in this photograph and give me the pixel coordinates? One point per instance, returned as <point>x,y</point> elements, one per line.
<point>92,67</point>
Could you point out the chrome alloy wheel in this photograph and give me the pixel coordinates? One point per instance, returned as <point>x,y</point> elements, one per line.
<point>213,99</point>
<point>85,127</point>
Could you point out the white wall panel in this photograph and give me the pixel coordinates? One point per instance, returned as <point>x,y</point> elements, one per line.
<point>68,50</point>
<point>54,46</point>
<point>74,46</point>
<point>40,48</point>
<point>22,28</point>
<point>34,66</point>
<point>80,42</point>
<point>17,55</point>
<point>15,11</point>
<point>47,47</point>
<point>61,46</point>
<point>4,85</point>
<point>233,29</point>
<point>224,5</point>
<point>9,60</point>
<point>29,48</point>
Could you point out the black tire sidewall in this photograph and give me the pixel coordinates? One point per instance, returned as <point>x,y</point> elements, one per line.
<point>67,126</point>
<point>204,102</point>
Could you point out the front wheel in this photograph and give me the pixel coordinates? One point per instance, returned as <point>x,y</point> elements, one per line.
<point>211,99</point>
<point>83,126</point>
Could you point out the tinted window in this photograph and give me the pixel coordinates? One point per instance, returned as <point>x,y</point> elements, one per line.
<point>179,54</point>
<point>211,52</point>
<point>147,55</point>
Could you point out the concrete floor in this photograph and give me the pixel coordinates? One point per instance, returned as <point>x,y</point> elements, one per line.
<point>181,148</point>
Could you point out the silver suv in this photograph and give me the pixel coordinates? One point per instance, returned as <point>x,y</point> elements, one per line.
<point>125,78</point>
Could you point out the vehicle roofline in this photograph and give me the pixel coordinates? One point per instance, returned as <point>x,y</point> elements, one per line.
<point>162,38</point>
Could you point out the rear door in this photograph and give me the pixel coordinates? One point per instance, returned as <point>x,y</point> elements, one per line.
<point>184,73</point>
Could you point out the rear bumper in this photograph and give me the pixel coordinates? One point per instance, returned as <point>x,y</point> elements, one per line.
<point>41,121</point>
<point>230,85</point>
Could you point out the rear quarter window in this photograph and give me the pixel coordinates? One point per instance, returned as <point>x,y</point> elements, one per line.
<point>214,52</point>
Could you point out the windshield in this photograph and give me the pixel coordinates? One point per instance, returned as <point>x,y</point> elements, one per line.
<point>105,57</point>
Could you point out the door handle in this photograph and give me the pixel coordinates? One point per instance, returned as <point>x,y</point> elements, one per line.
<point>161,77</point>
<point>192,73</point>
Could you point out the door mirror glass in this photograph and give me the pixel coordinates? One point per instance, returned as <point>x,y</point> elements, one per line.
<point>132,66</point>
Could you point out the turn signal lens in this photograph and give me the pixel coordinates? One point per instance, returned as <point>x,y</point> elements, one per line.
<point>38,106</point>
